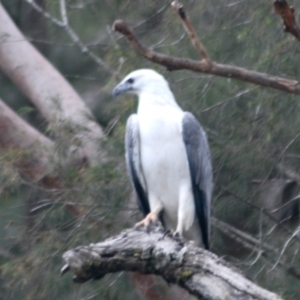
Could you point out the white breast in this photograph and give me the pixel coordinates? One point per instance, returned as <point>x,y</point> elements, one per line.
<point>164,160</point>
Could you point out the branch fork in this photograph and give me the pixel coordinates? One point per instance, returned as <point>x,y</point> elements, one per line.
<point>206,65</point>
<point>191,31</point>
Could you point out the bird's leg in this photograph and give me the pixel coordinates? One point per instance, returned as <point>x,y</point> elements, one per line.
<point>156,208</point>
<point>186,212</point>
<point>152,217</point>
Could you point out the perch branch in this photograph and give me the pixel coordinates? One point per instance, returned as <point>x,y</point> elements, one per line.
<point>190,30</point>
<point>228,71</point>
<point>287,13</point>
<point>200,272</point>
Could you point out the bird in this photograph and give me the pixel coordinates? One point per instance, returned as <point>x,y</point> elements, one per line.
<point>168,159</point>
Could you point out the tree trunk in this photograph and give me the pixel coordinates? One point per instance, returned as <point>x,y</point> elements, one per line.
<point>54,97</point>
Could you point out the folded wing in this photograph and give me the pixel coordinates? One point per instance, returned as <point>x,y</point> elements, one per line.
<point>133,161</point>
<point>199,160</point>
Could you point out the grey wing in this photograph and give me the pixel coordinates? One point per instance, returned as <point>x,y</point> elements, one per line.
<point>133,162</point>
<point>199,160</point>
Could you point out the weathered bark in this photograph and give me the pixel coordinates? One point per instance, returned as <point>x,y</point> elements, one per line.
<point>206,65</point>
<point>47,89</point>
<point>200,272</point>
<point>288,16</point>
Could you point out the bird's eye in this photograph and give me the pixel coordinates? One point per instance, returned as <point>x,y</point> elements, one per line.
<point>130,80</point>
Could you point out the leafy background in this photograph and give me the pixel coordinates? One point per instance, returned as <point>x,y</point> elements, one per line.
<point>251,130</point>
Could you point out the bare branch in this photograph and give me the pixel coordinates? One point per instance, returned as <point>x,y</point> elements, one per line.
<point>200,272</point>
<point>288,15</point>
<point>44,13</point>
<point>236,96</point>
<point>191,30</point>
<point>84,49</point>
<point>295,233</point>
<point>63,12</point>
<point>72,34</point>
<point>228,71</point>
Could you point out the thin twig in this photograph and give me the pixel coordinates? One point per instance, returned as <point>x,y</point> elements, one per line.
<point>288,146</point>
<point>191,30</point>
<point>290,173</point>
<point>63,12</point>
<point>84,49</point>
<point>251,243</point>
<point>285,204</point>
<point>264,211</point>
<point>245,239</point>
<point>242,93</point>
<point>295,233</point>
<point>72,34</point>
<point>44,13</point>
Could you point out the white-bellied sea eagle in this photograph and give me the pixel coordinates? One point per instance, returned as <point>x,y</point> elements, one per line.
<point>168,159</point>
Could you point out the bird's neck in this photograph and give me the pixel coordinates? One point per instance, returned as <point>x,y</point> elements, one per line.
<point>156,97</point>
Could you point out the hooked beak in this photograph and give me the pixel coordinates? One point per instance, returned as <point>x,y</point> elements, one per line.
<point>121,88</point>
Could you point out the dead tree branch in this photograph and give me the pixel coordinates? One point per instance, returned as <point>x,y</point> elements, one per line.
<point>287,14</point>
<point>191,30</point>
<point>200,272</point>
<point>228,71</point>
<point>47,89</point>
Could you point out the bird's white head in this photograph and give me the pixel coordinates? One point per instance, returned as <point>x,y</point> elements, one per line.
<point>141,81</point>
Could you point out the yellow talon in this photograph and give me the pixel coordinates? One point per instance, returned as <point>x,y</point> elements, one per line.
<point>149,219</point>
